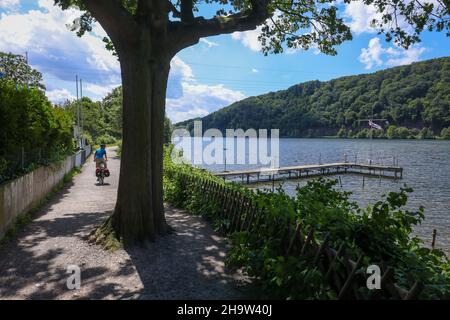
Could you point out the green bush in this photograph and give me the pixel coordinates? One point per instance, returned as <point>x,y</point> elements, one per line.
<point>425,133</point>
<point>88,137</point>
<point>391,132</point>
<point>342,133</point>
<point>105,138</point>
<point>445,133</point>
<point>402,133</point>
<point>119,148</point>
<point>30,127</point>
<point>364,133</point>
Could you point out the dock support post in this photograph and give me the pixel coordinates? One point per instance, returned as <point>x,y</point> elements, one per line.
<point>433,241</point>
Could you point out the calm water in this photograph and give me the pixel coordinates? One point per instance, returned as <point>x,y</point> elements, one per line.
<point>426,169</point>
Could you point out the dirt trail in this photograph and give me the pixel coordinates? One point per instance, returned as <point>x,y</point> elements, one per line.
<point>188,264</point>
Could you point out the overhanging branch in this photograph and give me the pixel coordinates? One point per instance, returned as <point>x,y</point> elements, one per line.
<point>186,34</point>
<point>113,17</point>
<point>173,9</point>
<point>187,15</point>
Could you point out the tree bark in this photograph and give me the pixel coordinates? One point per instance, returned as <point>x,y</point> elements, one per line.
<point>139,212</point>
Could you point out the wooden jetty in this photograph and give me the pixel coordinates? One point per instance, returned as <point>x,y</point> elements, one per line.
<point>303,171</point>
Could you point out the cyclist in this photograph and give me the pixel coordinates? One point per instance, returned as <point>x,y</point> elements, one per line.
<point>100,156</point>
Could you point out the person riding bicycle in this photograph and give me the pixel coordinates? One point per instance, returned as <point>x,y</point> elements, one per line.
<point>100,156</point>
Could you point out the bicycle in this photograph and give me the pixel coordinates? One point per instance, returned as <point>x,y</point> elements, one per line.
<point>101,173</point>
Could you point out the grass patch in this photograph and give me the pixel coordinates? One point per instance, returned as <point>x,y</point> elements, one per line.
<point>106,237</point>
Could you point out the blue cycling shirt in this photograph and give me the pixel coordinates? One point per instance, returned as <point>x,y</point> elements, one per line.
<point>100,153</point>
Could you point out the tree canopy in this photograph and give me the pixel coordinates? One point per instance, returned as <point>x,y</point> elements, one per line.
<point>295,24</point>
<point>15,68</point>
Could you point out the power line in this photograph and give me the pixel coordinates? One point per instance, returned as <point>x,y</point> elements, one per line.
<point>202,78</point>
<point>200,63</point>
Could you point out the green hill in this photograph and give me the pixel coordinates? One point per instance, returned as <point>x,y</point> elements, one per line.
<point>413,98</point>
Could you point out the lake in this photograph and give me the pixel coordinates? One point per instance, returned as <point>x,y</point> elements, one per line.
<point>426,165</point>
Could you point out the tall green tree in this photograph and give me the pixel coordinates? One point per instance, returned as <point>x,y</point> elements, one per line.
<point>15,68</point>
<point>146,35</point>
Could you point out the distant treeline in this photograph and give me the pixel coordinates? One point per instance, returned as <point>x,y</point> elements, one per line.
<point>102,120</point>
<point>414,100</point>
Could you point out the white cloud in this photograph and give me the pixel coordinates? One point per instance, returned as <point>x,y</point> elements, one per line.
<point>178,116</point>
<point>199,100</point>
<point>209,43</point>
<point>98,91</point>
<point>249,38</point>
<point>371,56</point>
<point>360,16</point>
<point>54,49</point>
<point>59,95</point>
<point>375,55</point>
<point>180,68</point>
<point>9,4</point>
<point>406,56</point>
<point>254,70</point>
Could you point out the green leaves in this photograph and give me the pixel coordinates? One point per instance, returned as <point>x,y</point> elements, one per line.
<point>16,69</point>
<point>29,121</point>
<point>303,25</point>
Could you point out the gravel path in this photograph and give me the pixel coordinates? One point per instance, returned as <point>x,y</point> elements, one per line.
<point>187,264</point>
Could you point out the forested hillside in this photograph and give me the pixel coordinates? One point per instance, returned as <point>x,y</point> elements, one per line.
<point>415,100</point>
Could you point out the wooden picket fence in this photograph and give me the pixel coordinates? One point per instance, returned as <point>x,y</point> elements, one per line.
<point>346,276</point>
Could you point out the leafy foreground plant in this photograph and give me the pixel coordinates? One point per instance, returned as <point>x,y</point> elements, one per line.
<point>381,233</point>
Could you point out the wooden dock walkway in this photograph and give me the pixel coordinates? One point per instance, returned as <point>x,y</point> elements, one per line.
<point>303,171</point>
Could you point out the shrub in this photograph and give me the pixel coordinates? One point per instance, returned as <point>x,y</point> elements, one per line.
<point>445,133</point>
<point>391,132</point>
<point>402,133</point>
<point>425,133</point>
<point>105,138</point>
<point>342,133</point>
<point>32,131</point>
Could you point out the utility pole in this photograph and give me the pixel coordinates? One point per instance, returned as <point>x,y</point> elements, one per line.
<point>225,162</point>
<point>26,61</point>
<point>81,110</point>
<point>78,113</point>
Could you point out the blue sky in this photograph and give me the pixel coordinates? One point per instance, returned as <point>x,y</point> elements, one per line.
<point>214,73</point>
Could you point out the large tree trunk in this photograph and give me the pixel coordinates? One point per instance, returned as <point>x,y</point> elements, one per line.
<point>139,212</point>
